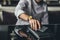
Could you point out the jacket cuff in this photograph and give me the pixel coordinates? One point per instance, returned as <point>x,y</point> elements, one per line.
<point>19,13</point>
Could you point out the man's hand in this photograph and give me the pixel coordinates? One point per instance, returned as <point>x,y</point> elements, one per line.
<point>35,24</point>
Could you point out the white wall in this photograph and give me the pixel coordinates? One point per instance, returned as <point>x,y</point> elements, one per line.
<point>1,17</point>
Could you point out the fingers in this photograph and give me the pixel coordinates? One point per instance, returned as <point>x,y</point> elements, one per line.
<point>32,24</point>
<point>35,25</point>
<point>39,25</point>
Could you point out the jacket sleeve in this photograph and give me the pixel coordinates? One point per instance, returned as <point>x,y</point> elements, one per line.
<point>19,8</point>
<point>45,17</point>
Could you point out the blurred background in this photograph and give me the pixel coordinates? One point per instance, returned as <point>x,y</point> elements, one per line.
<point>7,16</point>
<point>7,8</point>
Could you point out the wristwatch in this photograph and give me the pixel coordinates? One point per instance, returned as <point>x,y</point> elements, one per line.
<point>30,17</point>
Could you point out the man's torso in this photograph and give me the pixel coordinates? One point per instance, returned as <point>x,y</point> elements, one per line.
<point>37,8</point>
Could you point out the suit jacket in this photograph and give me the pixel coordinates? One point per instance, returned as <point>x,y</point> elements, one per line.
<point>24,6</point>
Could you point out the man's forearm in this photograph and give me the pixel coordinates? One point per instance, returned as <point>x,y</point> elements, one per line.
<point>24,16</point>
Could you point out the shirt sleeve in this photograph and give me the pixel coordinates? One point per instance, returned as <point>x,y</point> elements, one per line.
<point>19,8</point>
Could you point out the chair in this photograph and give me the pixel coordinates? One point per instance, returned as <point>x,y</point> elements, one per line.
<point>49,34</point>
<point>12,35</point>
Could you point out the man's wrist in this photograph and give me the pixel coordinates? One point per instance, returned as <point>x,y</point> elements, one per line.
<point>30,17</point>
